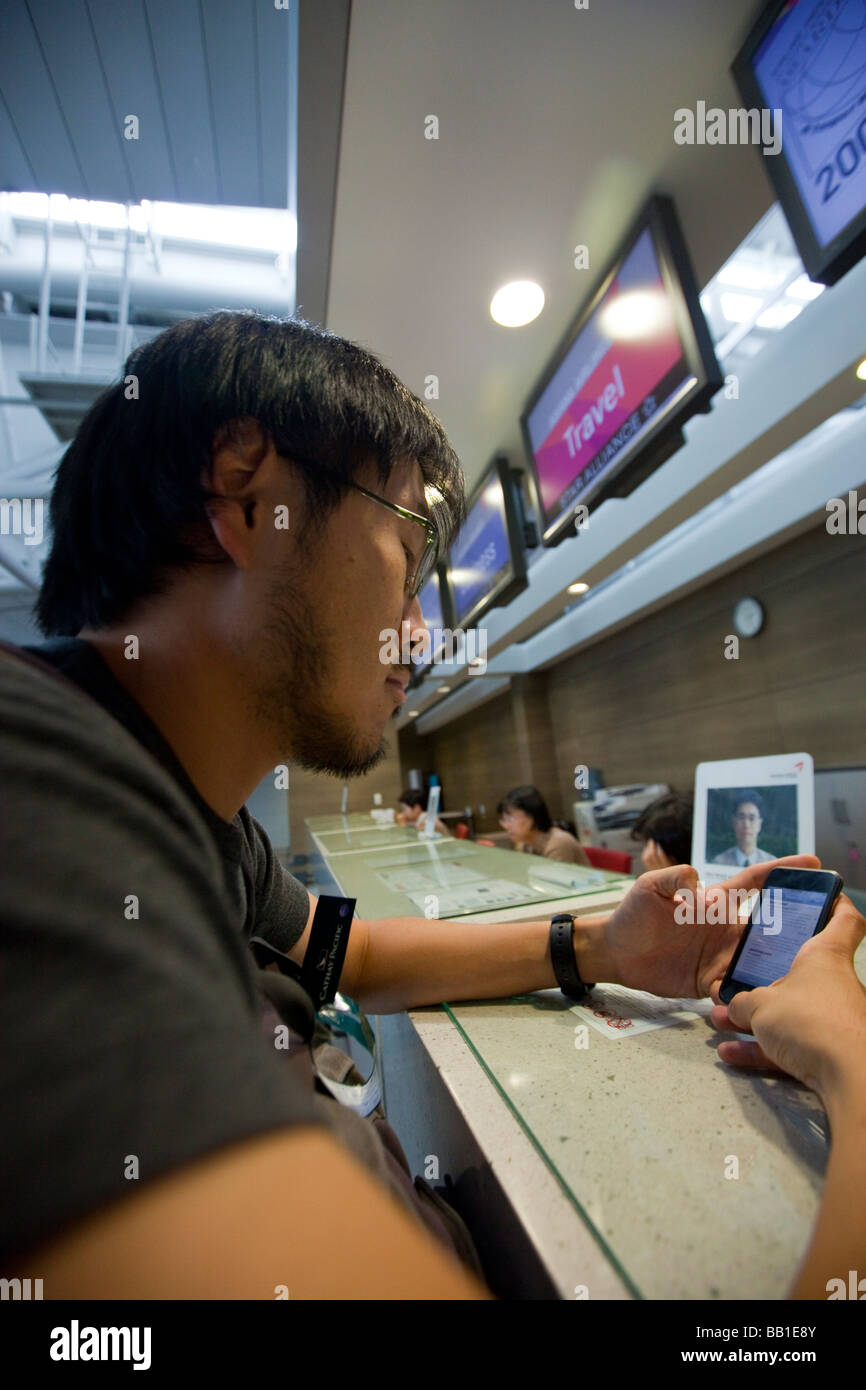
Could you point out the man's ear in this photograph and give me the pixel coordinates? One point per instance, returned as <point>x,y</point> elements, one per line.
<point>239,448</point>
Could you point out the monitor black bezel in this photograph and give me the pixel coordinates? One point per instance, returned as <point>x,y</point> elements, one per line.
<point>511,583</point>
<point>654,445</point>
<point>419,670</point>
<point>823,264</point>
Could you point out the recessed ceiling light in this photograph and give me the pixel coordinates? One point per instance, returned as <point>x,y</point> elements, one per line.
<point>517,303</point>
<point>578,588</point>
<point>412,713</point>
<point>443,689</point>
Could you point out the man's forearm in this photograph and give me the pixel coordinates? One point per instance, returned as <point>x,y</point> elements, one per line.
<point>838,1243</point>
<point>409,961</point>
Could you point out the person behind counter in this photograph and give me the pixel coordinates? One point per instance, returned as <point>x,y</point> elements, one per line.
<point>524,817</point>
<point>413,808</point>
<point>665,827</point>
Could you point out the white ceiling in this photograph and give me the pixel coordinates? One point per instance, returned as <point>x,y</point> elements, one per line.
<point>554,125</point>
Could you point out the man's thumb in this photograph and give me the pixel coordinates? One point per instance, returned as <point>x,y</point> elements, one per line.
<point>677,878</point>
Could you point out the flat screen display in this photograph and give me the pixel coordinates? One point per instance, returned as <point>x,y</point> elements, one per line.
<point>807,60</point>
<point>625,367</point>
<point>486,565</point>
<point>636,362</point>
<point>430,599</point>
<point>481,555</point>
<point>779,930</point>
<point>428,649</point>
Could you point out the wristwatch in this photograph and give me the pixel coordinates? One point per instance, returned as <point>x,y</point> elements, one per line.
<point>562,957</point>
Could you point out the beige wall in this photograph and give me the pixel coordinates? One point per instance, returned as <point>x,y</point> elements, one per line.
<point>649,703</point>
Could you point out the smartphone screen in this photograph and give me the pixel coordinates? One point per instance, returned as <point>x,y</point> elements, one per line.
<point>783,918</point>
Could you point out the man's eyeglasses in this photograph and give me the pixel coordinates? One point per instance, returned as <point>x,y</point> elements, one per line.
<point>427,563</point>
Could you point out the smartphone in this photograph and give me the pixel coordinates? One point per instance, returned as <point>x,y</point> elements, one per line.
<point>793,905</point>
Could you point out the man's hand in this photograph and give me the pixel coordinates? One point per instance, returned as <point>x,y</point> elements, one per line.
<point>645,947</point>
<point>812,1022</point>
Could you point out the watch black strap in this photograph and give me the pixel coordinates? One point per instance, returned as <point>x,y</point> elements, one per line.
<point>562,957</point>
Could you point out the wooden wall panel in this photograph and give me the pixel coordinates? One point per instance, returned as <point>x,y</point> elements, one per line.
<point>652,701</point>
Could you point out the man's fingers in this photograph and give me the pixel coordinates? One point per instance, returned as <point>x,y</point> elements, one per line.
<point>736,1053</point>
<point>720,1018</point>
<point>742,1007</point>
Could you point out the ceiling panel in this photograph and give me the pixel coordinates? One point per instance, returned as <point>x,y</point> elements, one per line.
<point>183,81</point>
<point>213,86</point>
<point>230,48</point>
<point>276,93</point>
<point>65,37</point>
<point>125,47</point>
<point>33,105</point>
<point>19,170</point>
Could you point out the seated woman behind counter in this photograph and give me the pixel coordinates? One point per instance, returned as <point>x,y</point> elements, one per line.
<point>524,817</point>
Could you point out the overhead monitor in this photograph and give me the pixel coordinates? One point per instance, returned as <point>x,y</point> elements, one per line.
<point>433,599</point>
<point>807,60</point>
<point>635,364</point>
<point>487,562</point>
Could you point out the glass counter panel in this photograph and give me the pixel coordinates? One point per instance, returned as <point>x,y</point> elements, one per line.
<point>369,837</point>
<point>352,820</point>
<point>447,878</point>
<point>697,1181</point>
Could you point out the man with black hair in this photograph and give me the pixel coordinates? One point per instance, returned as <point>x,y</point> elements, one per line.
<point>665,827</point>
<point>747,820</point>
<point>234,542</point>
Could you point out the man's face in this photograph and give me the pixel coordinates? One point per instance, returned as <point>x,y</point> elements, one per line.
<point>324,688</point>
<point>747,826</point>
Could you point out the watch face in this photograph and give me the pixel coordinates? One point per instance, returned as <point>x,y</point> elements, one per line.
<point>748,617</point>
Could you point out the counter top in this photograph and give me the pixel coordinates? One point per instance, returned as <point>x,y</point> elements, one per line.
<point>640,1164</point>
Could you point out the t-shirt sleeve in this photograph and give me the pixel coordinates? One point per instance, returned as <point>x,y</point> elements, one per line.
<point>282,903</point>
<point>130,1037</point>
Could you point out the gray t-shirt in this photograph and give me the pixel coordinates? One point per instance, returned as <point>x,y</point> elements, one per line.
<point>130,1037</point>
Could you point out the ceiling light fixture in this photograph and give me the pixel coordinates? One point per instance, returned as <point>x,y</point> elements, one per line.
<point>517,303</point>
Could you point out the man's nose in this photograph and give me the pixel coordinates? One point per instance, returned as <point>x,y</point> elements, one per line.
<point>413,625</point>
